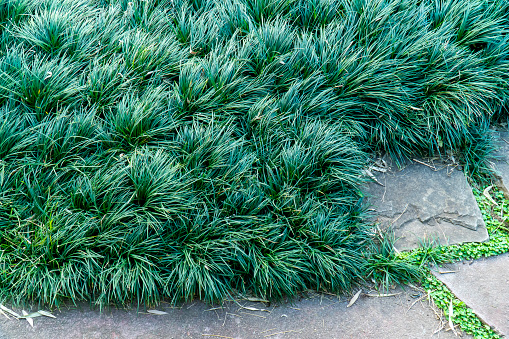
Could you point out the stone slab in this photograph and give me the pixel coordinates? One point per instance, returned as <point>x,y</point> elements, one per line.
<point>426,201</point>
<point>484,286</point>
<point>502,161</point>
<point>318,316</point>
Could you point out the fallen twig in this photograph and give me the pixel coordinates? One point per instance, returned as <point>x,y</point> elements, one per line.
<point>254,315</point>
<point>382,295</point>
<point>214,308</point>
<point>416,301</point>
<point>289,331</point>
<point>406,207</point>
<point>253,308</point>
<point>425,164</point>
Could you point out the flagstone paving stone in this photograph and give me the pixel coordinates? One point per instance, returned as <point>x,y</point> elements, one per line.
<point>502,161</point>
<point>484,287</point>
<point>319,316</point>
<point>424,202</point>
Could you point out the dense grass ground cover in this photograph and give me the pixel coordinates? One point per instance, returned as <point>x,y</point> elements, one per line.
<point>180,149</point>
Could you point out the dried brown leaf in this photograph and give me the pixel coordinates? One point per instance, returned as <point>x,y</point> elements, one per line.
<point>486,193</point>
<point>31,315</point>
<point>9,311</point>
<point>30,320</point>
<point>257,300</point>
<point>371,175</point>
<point>46,314</point>
<point>5,314</point>
<point>354,299</point>
<point>157,312</point>
<point>451,325</point>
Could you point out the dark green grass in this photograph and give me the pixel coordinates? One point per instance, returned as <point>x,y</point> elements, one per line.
<point>195,149</point>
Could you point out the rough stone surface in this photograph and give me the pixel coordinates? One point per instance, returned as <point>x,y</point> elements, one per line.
<point>484,286</point>
<point>502,161</point>
<point>426,202</point>
<point>319,316</point>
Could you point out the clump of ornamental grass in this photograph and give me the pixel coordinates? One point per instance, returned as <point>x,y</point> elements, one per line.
<point>197,149</point>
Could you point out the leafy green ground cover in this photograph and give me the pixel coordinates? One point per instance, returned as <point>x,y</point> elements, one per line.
<point>182,149</point>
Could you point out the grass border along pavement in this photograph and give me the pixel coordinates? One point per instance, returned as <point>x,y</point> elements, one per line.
<point>495,216</point>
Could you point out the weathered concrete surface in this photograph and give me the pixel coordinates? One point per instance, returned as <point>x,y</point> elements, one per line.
<point>484,286</point>
<point>319,316</point>
<point>502,161</point>
<point>426,202</point>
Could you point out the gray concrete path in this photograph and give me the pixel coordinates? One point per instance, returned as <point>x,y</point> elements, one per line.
<point>484,286</point>
<point>426,201</point>
<point>318,316</point>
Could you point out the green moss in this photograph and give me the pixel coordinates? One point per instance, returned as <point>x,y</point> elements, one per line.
<point>462,315</point>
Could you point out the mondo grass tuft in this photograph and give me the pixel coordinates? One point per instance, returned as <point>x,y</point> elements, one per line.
<point>183,149</point>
